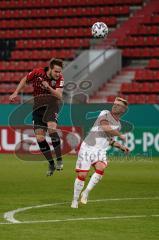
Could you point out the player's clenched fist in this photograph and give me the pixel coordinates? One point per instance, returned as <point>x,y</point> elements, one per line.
<point>12,97</point>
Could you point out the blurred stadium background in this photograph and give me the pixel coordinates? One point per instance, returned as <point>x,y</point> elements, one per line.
<point>96,70</point>
<point>126,64</point>
<point>31,32</point>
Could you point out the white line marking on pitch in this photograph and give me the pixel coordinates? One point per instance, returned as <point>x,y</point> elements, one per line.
<point>9,216</point>
<point>5,223</point>
<point>81,219</point>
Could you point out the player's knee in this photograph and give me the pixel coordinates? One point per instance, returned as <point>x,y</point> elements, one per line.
<point>40,138</point>
<point>100,172</point>
<point>100,166</point>
<point>82,175</point>
<point>51,130</point>
<point>52,126</point>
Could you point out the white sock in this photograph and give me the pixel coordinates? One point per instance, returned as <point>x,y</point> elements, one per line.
<point>78,186</point>
<point>96,177</point>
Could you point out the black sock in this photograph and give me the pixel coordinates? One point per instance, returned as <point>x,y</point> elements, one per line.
<point>57,145</point>
<point>45,149</point>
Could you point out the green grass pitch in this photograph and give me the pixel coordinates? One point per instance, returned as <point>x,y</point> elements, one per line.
<point>128,206</point>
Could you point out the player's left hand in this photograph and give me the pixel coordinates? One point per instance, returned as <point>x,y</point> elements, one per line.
<point>125,149</point>
<point>45,84</point>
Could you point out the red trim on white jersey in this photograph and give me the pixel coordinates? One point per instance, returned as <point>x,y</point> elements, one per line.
<point>117,119</point>
<point>81,178</point>
<point>99,172</point>
<point>79,170</point>
<point>105,163</point>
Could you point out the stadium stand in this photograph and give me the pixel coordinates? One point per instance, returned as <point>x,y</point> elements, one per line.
<point>138,39</point>
<point>31,32</point>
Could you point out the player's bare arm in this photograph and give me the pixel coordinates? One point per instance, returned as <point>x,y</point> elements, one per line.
<point>120,146</point>
<point>108,129</point>
<point>57,93</point>
<point>18,89</point>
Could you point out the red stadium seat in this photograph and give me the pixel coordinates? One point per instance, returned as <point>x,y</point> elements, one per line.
<point>131,99</point>
<point>125,87</point>
<point>111,98</point>
<point>146,87</point>
<point>153,64</point>
<point>141,99</point>
<point>152,99</point>
<point>155,87</point>
<point>43,29</point>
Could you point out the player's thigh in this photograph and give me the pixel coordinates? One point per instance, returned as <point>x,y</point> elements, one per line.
<point>38,124</point>
<point>40,134</point>
<point>51,118</point>
<point>83,163</point>
<point>100,160</point>
<point>82,174</point>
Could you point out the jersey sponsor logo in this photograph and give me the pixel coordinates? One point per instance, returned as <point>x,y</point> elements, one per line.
<point>61,83</point>
<point>56,116</point>
<point>53,82</point>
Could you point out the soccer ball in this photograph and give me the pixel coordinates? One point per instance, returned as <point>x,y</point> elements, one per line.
<point>99,30</point>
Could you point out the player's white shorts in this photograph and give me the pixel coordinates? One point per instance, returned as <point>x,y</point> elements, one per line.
<point>88,156</point>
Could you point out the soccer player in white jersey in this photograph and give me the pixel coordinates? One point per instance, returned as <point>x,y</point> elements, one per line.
<point>93,149</point>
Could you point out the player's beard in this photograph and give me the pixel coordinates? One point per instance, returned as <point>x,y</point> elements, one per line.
<point>51,76</point>
<point>115,110</point>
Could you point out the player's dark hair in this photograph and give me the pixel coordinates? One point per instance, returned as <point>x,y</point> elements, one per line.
<point>55,61</point>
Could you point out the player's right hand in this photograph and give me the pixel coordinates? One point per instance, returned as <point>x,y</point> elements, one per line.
<point>122,137</point>
<point>125,149</point>
<point>45,84</point>
<point>12,97</point>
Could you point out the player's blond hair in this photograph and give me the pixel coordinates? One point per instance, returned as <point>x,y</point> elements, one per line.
<point>122,100</point>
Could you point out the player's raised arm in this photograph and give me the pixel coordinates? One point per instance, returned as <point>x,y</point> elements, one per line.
<point>28,78</point>
<point>18,89</point>
<point>110,131</point>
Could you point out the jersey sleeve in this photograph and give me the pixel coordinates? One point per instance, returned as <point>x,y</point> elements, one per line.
<point>60,82</point>
<point>106,115</point>
<point>31,75</point>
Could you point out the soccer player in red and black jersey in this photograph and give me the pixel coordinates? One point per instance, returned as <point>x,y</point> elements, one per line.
<point>47,89</point>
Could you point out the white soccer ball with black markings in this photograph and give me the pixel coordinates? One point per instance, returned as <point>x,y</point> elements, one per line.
<point>99,30</point>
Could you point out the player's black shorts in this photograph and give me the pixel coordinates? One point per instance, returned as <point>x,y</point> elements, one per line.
<point>45,113</point>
